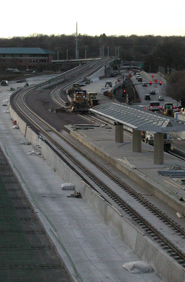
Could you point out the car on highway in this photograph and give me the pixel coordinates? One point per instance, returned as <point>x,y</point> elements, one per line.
<point>154,106</point>
<point>142,107</point>
<point>161,98</point>
<point>4,83</point>
<point>136,71</point>
<point>144,84</point>
<point>152,92</point>
<point>147,97</point>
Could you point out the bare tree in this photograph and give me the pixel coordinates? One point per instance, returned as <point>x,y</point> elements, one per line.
<point>176,86</point>
<point>170,54</point>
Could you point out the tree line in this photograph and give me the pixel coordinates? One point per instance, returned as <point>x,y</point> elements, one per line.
<point>154,51</point>
<point>166,53</point>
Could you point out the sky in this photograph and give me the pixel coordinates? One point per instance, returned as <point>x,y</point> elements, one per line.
<point>159,17</point>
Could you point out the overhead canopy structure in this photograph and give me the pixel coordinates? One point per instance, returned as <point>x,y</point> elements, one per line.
<point>139,119</point>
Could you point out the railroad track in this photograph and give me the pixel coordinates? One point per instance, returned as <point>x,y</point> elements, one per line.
<point>105,191</point>
<point>177,153</point>
<point>56,92</point>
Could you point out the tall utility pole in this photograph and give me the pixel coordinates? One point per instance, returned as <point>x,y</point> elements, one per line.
<point>57,55</point>
<point>77,41</point>
<point>115,51</point>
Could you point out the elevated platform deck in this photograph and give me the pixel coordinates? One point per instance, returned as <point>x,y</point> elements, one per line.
<point>139,166</point>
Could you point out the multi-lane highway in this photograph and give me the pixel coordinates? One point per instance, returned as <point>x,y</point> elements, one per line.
<point>159,89</point>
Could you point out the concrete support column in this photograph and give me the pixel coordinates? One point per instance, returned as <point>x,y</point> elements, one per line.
<point>118,133</point>
<point>158,148</point>
<point>136,141</point>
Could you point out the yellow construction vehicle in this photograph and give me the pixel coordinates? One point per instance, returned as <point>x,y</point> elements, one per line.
<point>79,101</point>
<point>168,109</point>
<point>108,93</point>
<point>92,99</point>
<point>75,87</point>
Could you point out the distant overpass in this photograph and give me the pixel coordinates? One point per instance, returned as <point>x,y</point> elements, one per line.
<point>76,60</point>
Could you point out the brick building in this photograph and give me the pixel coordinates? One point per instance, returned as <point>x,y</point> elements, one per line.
<point>25,58</point>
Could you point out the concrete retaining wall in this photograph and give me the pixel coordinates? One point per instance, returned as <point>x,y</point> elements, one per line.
<point>149,78</point>
<point>31,136</point>
<point>95,76</point>
<point>166,268</point>
<point>145,75</point>
<point>22,125</point>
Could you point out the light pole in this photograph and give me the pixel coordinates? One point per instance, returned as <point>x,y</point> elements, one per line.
<point>108,51</point>
<point>77,57</point>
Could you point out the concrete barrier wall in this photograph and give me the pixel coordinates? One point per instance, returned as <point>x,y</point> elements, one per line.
<point>145,75</point>
<point>22,125</point>
<point>97,74</point>
<point>162,78</point>
<point>31,136</point>
<point>166,268</point>
<point>25,130</point>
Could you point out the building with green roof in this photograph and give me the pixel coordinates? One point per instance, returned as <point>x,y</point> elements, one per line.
<point>24,58</point>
